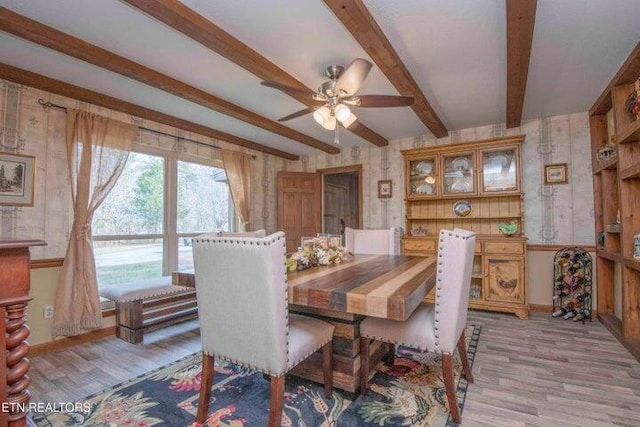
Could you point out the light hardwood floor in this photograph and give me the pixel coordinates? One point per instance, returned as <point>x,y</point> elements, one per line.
<point>536,372</point>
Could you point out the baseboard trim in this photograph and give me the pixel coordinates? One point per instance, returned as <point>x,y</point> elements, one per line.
<point>63,343</point>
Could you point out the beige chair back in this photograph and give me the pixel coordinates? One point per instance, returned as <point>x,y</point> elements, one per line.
<point>373,241</point>
<point>242,299</point>
<point>453,280</point>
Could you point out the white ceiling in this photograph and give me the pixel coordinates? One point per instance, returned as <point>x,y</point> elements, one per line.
<point>454,49</point>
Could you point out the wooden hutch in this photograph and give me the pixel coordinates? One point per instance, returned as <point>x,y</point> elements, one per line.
<point>15,274</point>
<point>615,148</point>
<point>474,186</point>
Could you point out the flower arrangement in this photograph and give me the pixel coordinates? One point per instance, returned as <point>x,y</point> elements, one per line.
<point>317,251</point>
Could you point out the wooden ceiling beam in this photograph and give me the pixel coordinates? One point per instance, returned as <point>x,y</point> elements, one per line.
<point>51,38</point>
<point>188,22</point>
<point>361,24</point>
<point>521,18</point>
<point>48,84</point>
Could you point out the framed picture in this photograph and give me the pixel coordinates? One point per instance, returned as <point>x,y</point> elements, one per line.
<point>384,189</point>
<point>17,176</point>
<point>555,174</point>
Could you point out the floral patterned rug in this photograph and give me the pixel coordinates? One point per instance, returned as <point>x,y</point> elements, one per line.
<point>410,392</point>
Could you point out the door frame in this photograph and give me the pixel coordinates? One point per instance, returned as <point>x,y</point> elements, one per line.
<point>340,169</point>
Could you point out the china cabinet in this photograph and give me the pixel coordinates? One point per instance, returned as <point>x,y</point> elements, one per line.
<point>615,148</point>
<point>476,186</point>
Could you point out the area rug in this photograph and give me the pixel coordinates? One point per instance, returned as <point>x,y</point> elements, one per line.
<point>410,392</point>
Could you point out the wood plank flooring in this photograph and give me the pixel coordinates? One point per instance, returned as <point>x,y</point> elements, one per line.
<point>536,372</point>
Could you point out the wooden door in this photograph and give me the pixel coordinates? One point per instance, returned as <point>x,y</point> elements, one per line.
<point>337,208</point>
<point>298,206</point>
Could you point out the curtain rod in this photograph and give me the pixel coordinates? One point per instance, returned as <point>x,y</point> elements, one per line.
<point>47,104</point>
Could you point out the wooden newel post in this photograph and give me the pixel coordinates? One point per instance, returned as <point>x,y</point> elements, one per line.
<point>15,272</point>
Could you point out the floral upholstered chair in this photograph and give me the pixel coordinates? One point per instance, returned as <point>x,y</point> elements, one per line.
<point>243,311</point>
<point>439,327</point>
<point>384,241</point>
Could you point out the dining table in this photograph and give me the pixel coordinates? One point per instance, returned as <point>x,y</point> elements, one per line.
<point>385,286</point>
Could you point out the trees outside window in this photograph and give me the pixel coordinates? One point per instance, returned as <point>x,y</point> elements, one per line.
<point>138,233</point>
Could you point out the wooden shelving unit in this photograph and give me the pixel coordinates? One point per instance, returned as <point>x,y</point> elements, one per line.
<point>616,183</point>
<point>475,186</point>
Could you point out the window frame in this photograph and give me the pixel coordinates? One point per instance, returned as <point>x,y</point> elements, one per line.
<point>170,235</point>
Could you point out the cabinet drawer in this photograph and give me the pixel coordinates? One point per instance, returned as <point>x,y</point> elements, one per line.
<point>511,248</point>
<point>420,245</point>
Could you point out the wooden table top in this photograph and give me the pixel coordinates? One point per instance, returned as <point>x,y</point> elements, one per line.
<point>387,286</point>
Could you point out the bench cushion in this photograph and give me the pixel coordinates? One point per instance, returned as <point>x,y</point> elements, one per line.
<point>142,289</point>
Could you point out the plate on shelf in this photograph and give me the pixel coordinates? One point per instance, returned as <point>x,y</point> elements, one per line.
<point>462,208</point>
<point>461,186</point>
<point>424,189</point>
<point>460,164</point>
<point>424,168</point>
<point>500,160</point>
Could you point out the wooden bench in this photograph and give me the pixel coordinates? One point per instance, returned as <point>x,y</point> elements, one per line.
<point>146,305</point>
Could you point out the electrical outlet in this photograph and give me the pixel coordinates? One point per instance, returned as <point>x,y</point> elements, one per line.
<point>48,311</point>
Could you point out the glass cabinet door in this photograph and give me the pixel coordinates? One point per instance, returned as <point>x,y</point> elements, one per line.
<point>499,170</point>
<point>423,175</point>
<point>459,173</point>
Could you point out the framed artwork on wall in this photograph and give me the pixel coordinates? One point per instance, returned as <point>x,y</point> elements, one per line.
<point>17,177</point>
<point>555,174</point>
<point>384,189</point>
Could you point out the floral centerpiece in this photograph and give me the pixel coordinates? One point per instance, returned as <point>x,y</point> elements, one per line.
<point>317,251</point>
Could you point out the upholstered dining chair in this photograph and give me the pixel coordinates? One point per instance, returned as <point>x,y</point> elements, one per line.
<point>439,327</point>
<point>385,241</point>
<point>242,306</point>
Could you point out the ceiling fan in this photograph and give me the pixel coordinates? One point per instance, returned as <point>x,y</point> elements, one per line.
<point>336,95</point>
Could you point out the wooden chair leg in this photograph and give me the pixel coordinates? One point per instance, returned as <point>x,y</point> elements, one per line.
<point>206,382</point>
<point>364,365</point>
<point>277,401</point>
<point>462,350</point>
<point>450,387</point>
<point>327,369</point>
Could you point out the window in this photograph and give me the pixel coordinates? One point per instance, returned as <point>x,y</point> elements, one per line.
<point>139,233</point>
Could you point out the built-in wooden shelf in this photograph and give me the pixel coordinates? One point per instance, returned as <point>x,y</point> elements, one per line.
<point>611,256</point>
<point>612,228</point>
<point>629,173</point>
<point>632,134</point>
<point>470,216</point>
<point>632,263</point>
<point>608,164</point>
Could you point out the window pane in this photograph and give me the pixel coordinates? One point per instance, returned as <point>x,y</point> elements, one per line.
<point>203,199</point>
<point>185,254</point>
<point>135,204</point>
<point>121,261</point>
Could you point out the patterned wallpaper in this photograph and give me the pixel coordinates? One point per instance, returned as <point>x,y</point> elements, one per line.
<point>27,128</point>
<point>560,214</point>
<point>554,215</point>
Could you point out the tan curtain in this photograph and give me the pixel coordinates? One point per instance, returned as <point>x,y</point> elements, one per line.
<point>97,151</point>
<point>237,166</point>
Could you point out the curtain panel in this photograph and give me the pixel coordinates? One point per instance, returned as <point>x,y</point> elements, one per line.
<point>237,166</point>
<point>97,151</point>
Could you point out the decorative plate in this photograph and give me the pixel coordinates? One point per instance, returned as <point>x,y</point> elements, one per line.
<point>500,159</point>
<point>461,186</point>
<point>424,168</point>
<point>462,208</point>
<point>460,164</point>
<point>424,189</point>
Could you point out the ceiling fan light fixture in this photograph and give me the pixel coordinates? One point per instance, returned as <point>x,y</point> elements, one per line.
<point>330,123</point>
<point>342,112</point>
<point>348,122</point>
<point>322,115</point>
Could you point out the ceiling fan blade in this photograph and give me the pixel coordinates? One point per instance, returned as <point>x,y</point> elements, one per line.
<point>293,91</point>
<point>384,101</point>
<point>351,79</point>
<point>298,114</point>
